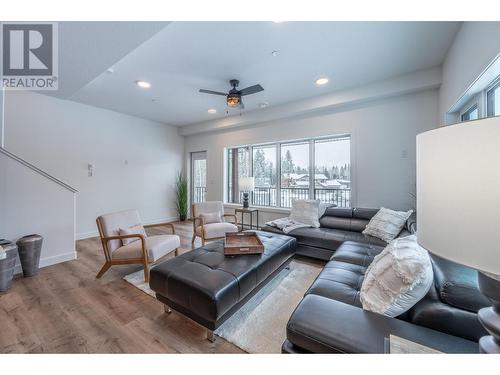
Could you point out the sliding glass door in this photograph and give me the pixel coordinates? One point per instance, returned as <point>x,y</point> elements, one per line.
<point>198,176</point>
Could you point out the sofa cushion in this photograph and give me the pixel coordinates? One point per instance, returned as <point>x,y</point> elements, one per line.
<point>357,253</point>
<point>157,246</point>
<point>330,239</point>
<point>349,219</point>
<point>324,325</point>
<point>340,281</point>
<point>457,285</point>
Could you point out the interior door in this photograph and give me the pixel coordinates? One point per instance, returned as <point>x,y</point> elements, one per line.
<point>198,176</point>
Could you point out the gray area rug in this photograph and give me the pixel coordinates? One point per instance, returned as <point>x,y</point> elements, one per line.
<point>260,325</point>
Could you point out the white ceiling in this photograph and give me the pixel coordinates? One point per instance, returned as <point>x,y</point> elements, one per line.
<point>186,56</point>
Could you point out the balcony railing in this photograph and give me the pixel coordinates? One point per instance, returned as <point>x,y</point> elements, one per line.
<point>199,194</point>
<point>266,196</point>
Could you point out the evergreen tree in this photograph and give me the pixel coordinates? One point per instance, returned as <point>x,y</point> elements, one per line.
<point>287,165</point>
<point>259,167</point>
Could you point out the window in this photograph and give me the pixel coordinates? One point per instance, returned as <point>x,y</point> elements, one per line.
<point>471,114</point>
<point>198,176</point>
<point>241,168</point>
<point>284,171</point>
<point>294,172</point>
<point>264,172</point>
<point>332,173</point>
<point>493,101</point>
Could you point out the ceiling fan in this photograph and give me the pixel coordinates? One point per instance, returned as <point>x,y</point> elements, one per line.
<point>233,97</point>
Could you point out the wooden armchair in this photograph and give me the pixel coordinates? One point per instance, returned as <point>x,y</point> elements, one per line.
<point>209,223</point>
<point>144,250</point>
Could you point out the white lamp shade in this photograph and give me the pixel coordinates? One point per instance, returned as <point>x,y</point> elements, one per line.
<point>458,193</point>
<point>246,184</point>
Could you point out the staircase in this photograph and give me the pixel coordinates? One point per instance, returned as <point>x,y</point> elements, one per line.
<point>33,201</point>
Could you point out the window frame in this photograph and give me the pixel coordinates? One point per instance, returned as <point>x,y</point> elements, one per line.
<point>490,97</point>
<point>312,164</point>
<point>465,115</point>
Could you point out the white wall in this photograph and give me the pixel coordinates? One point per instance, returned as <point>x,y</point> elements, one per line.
<point>382,131</point>
<point>475,46</point>
<point>135,160</point>
<point>31,203</point>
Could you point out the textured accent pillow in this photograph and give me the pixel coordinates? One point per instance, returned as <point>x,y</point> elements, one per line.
<point>305,211</point>
<point>212,217</point>
<point>136,229</point>
<point>387,224</point>
<point>399,277</point>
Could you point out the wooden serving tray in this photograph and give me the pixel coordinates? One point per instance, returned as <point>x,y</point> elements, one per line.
<point>243,243</point>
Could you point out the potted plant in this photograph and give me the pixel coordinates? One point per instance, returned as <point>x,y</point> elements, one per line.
<point>182,196</point>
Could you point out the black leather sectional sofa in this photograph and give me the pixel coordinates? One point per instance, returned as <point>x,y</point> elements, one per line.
<point>330,318</point>
<point>337,226</point>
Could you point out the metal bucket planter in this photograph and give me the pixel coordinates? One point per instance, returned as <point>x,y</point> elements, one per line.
<point>29,248</point>
<point>7,264</point>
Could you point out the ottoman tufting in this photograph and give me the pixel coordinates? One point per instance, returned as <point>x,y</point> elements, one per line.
<point>209,287</point>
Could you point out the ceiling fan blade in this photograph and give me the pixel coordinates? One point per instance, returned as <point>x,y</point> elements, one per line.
<point>251,90</point>
<point>213,92</point>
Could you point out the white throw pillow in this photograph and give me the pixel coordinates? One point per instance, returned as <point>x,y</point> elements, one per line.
<point>212,217</point>
<point>387,224</point>
<point>305,211</point>
<point>399,277</point>
<point>136,229</point>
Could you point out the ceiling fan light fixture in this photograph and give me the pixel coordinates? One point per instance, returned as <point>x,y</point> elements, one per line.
<point>233,100</point>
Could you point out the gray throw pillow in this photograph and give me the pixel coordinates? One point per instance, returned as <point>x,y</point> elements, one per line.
<point>305,211</point>
<point>387,224</point>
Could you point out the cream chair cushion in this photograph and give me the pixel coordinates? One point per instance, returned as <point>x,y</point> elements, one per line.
<point>216,230</point>
<point>157,246</point>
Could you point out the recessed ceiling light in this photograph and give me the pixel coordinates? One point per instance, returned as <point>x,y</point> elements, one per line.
<point>321,81</point>
<point>143,84</point>
<point>263,105</point>
<point>212,111</point>
<point>110,71</point>
<point>274,53</point>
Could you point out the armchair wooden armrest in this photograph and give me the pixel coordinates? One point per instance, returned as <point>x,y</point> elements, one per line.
<point>233,216</point>
<point>162,225</point>
<point>200,219</point>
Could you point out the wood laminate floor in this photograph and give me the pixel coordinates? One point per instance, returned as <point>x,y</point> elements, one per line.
<point>65,309</point>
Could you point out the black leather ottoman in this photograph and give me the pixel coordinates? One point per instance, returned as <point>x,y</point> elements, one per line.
<point>209,287</point>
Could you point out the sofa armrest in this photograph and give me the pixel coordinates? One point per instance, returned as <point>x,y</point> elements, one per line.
<point>324,325</point>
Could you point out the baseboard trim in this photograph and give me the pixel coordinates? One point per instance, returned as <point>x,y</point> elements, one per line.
<point>85,235</point>
<point>50,261</point>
